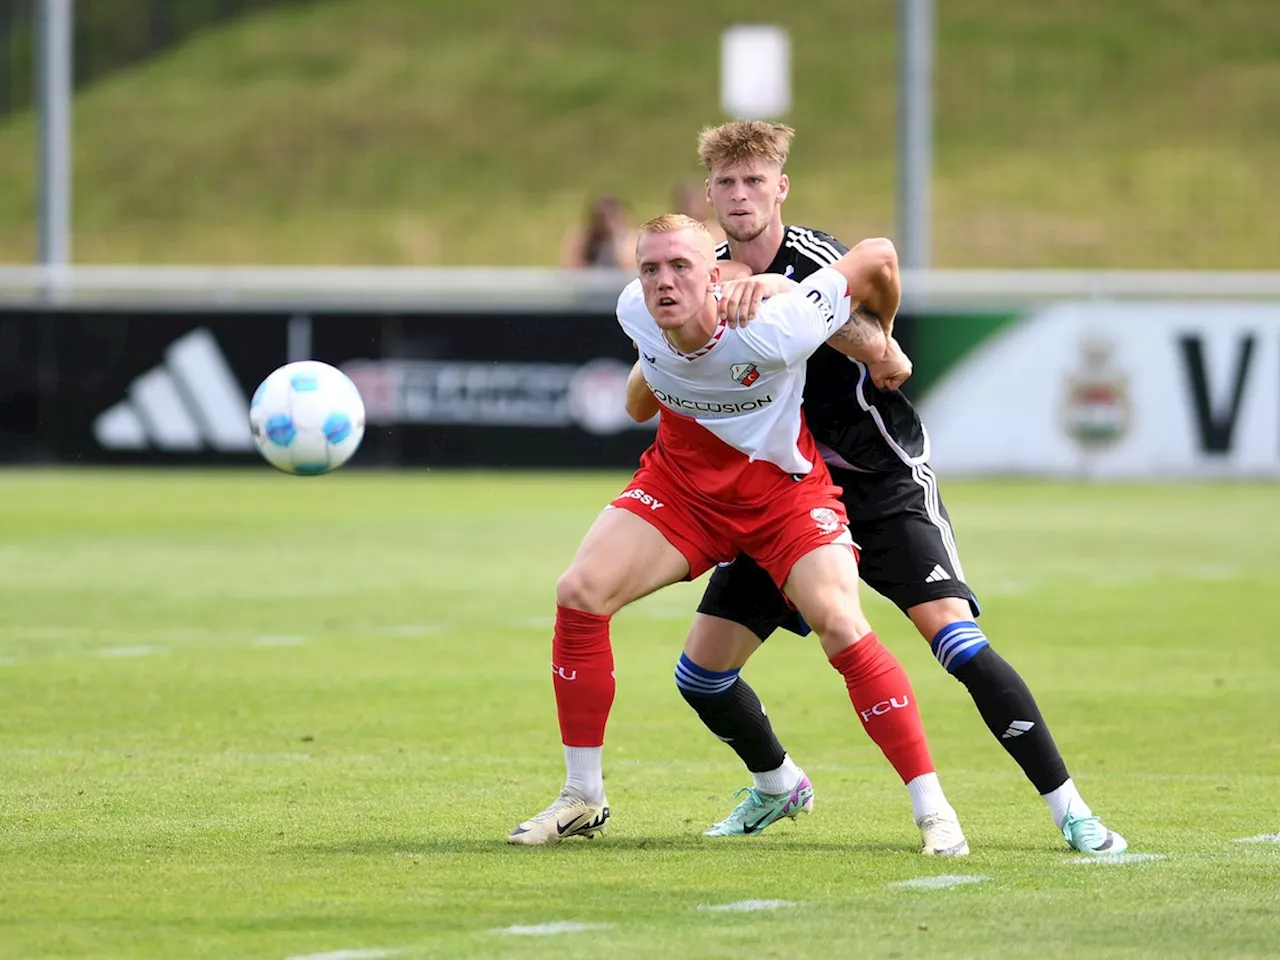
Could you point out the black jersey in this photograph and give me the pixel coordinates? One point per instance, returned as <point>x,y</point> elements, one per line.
<point>870,429</point>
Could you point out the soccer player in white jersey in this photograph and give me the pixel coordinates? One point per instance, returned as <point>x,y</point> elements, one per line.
<point>733,469</point>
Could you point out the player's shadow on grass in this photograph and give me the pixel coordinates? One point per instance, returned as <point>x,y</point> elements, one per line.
<point>416,848</point>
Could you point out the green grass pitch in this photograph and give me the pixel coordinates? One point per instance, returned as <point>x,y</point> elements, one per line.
<point>249,715</point>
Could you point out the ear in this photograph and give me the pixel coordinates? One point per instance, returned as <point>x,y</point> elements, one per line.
<point>784,187</point>
<point>707,186</point>
<point>714,275</point>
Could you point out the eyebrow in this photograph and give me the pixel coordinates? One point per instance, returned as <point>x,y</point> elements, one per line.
<point>650,263</point>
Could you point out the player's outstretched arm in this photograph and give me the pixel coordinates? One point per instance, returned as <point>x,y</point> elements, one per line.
<point>641,404</point>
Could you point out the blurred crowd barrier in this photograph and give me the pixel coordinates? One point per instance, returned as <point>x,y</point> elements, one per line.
<point>1065,374</point>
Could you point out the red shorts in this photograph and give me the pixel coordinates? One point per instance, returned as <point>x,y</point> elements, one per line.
<point>774,531</point>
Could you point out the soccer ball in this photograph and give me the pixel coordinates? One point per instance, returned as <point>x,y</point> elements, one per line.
<point>307,418</point>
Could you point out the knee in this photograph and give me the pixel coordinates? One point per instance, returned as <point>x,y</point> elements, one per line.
<point>934,616</point>
<point>580,589</point>
<point>838,626</point>
<point>718,644</point>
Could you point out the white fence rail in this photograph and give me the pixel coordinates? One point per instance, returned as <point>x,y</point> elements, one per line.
<point>495,288</point>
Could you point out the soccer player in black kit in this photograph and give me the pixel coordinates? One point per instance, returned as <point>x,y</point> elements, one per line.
<point>877,450</point>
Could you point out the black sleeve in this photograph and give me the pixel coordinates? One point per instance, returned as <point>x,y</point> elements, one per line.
<point>809,250</point>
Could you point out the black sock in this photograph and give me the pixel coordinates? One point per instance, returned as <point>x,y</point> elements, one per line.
<point>737,717</point>
<point>1010,711</point>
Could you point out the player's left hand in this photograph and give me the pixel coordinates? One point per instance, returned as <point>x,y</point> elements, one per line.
<point>740,299</point>
<point>893,370</point>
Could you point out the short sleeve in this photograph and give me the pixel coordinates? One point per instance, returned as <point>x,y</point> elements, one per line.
<point>792,325</point>
<point>631,309</point>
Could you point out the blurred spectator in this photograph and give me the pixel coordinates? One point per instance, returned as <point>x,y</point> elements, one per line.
<point>605,240</point>
<point>690,198</point>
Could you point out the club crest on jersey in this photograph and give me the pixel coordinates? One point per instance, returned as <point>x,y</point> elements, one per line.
<point>744,373</point>
<point>828,520</point>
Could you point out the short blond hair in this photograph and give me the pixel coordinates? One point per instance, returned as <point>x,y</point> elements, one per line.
<point>673,222</point>
<point>743,141</point>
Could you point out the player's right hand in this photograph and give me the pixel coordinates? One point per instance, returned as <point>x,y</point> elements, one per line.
<point>740,299</point>
<point>893,370</point>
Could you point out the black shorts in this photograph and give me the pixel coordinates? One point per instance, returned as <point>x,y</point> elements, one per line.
<point>908,553</point>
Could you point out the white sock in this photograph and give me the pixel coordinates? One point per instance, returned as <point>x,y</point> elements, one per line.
<point>584,772</point>
<point>781,780</point>
<point>927,796</point>
<point>1066,798</point>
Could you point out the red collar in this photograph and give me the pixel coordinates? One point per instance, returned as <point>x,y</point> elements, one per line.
<point>702,351</point>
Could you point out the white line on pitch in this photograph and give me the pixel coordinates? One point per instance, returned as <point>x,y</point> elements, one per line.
<point>534,623</point>
<point>549,929</point>
<point>409,629</point>
<point>1119,859</point>
<point>1260,838</point>
<point>940,882</point>
<point>279,640</point>
<point>358,954</point>
<point>745,906</point>
<point>92,754</point>
<point>1011,588</point>
<point>130,651</point>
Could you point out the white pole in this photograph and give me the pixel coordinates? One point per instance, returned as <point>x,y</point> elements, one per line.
<point>915,132</point>
<point>53,83</point>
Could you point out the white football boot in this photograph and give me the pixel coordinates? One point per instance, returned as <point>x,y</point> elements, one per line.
<point>569,816</point>
<point>941,835</point>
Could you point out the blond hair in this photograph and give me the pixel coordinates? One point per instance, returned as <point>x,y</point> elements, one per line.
<point>673,222</point>
<point>744,141</point>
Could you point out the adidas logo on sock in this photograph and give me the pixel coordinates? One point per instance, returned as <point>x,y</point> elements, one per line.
<point>1017,729</point>
<point>937,574</point>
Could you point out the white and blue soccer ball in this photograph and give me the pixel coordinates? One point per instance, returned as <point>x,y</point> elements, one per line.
<point>307,418</point>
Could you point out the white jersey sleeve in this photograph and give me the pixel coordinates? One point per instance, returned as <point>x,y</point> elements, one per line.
<point>631,311</point>
<point>790,326</point>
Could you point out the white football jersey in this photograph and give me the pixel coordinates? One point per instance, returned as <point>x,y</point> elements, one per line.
<point>736,401</point>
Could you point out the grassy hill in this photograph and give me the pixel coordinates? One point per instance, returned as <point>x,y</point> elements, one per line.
<point>1083,133</point>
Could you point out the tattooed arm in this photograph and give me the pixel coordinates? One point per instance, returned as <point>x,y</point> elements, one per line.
<point>862,338</point>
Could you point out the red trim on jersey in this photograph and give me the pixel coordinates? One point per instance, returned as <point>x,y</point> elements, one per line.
<point>704,349</point>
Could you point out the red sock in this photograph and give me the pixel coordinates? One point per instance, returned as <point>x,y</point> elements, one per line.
<point>582,671</point>
<point>884,700</point>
